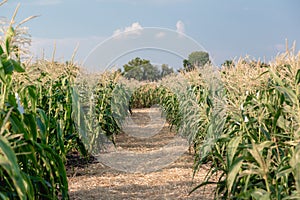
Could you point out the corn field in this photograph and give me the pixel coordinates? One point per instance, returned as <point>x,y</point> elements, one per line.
<point>38,126</point>
<point>243,120</point>
<point>245,123</point>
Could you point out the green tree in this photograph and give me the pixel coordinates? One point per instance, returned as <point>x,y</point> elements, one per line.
<point>198,58</point>
<point>187,65</point>
<point>141,69</point>
<point>150,72</point>
<point>134,63</point>
<point>228,63</point>
<point>166,70</point>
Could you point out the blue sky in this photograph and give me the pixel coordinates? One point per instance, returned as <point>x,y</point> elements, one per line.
<point>226,29</point>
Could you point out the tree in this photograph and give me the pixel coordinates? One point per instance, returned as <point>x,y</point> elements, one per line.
<point>150,72</point>
<point>166,70</point>
<point>141,69</point>
<point>136,62</point>
<point>187,66</point>
<point>228,63</point>
<point>198,58</point>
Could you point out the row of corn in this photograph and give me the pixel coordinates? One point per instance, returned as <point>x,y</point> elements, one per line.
<point>244,120</point>
<point>47,111</point>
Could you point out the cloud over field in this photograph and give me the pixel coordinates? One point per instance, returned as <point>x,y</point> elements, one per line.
<point>180,27</point>
<point>134,29</point>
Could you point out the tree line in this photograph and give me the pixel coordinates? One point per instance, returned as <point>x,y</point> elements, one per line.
<point>143,70</point>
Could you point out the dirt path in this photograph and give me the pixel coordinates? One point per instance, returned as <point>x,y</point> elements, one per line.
<point>170,181</point>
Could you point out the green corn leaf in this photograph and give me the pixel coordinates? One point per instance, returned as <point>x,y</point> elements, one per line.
<point>30,121</point>
<point>17,66</point>
<point>54,164</point>
<point>43,124</point>
<point>60,139</point>
<point>10,33</point>
<point>1,50</point>
<point>289,94</point>
<point>258,158</point>
<point>295,164</point>
<point>284,172</point>
<point>8,161</point>
<point>265,132</point>
<point>234,169</point>
<point>18,125</point>
<point>8,67</point>
<point>297,78</point>
<point>232,147</point>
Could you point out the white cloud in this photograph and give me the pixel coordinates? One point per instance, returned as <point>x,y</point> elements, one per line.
<point>160,35</point>
<point>117,32</point>
<point>135,26</point>
<point>180,27</point>
<point>134,29</point>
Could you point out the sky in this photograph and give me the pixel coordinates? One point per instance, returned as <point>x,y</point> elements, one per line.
<point>226,29</point>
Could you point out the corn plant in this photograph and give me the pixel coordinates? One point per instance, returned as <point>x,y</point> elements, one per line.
<point>101,105</point>
<point>145,96</point>
<point>30,167</point>
<point>255,156</point>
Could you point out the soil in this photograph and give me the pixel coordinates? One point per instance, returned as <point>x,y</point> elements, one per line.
<point>155,179</point>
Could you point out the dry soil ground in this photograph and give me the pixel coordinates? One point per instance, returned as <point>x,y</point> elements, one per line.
<point>173,181</point>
